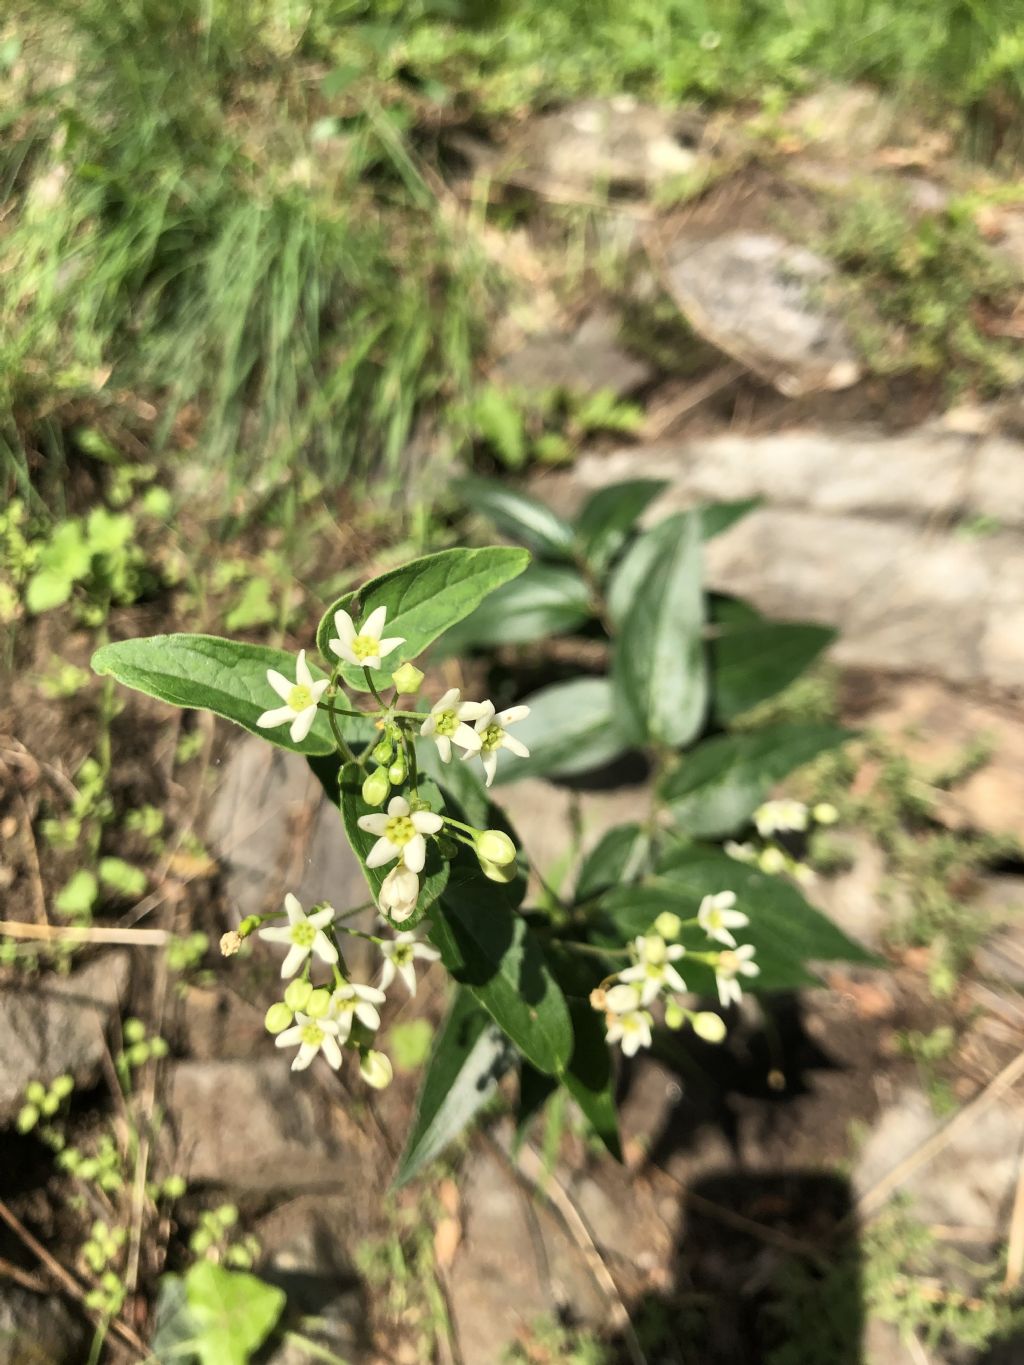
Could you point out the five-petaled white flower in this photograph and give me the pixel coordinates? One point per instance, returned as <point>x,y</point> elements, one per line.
<point>400,955</point>
<point>399,892</point>
<point>780,815</point>
<point>446,724</point>
<point>353,1001</point>
<point>363,647</point>
<point>627,1024</point>
<point>311,1036</point>
<point>304,934</point>
<point>653,971</point>
<point>300,700</point>
<point>733,962</point>
<point>400,834</point>
<point>492,728</point>
<point>716,917</point>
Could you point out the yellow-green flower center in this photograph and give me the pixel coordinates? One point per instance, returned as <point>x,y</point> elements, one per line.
<point>312,1034</point>
<point>655,971</point>
<point>655,950</point>
<point>300,697</point>
<point>728,963</point>
<point>365,646</point>
<point>632,1022</point>
<point>492,737</point>
<point>400,829</point>
<point>303,933</point>
<point>446,723</point>
<point>401,954</point>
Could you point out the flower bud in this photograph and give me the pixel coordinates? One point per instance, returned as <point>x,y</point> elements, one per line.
<point>398,771</point>
<point>375,1069</point>
<point>278,1018</point>
<point>709,1026</point>
<point>668,925</point>
<point>383,751</point>
<point>376,788</point>
<point>773,861</point>
<point>230,943</point>
<point>408,679</point>
<point>599,999</point>
<point>494,846</point>
<point>675,1015</point>
<point>319,1003</point>
<point>399,893</point>
<point>249,924</point>
<point>495,872</point>
<point>825,813</point>
<point>297,993</point>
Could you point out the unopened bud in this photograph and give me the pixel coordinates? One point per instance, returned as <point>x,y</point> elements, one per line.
<point>709,1026</point>
<point>230,943</point>
<point>494,846</point>
<point>599,999</point>
<point>376,788</point>
<point>675,1015</point>
<point>773,861</point>
<point>278,1018</point>
<point>383,751</point>
<point>249,925</point>
<point>408,679</point>
<point>375,1069</point>
<point>398,771</point>
<point>668,925</point>
<point>297,993</point>
<point>319,1003</point>
<point>495,872</point>
<point>825,813</point>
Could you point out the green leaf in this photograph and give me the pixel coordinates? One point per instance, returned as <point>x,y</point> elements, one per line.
<point>46,589</point>
<point>488,948</point>
<point>620,857</point>
<point>590,1078</point>
<point>719,784</point>
<point>716,517</point>
<point>519,516</point>
<point>659,670</point>
<point>571,729</point>
<point>122,877</point>
<point>468,1059</point>
<point>409,1043</point>
<point>610,514</point>
<point>233,1312</point>
<point>205,672</point>
<point>750,663</point>
<point>498,416</point>
<point>255,607</point>
<point>535,1089</point>
<point>348,795</point>
<point>424,598</point>
<point>549,599</point>
<point>78,895</point>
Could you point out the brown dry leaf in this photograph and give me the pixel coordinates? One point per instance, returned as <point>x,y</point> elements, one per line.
<point>448,1196</point>
<point>869,999</point>
<point>189,865</point>
<point>447,1236</point>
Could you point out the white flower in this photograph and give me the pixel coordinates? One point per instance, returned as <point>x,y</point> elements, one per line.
<point>375,1069</point>
<point>627,1023</point>
<point>743,853</point>
<point>716,917</point>
<point>399,892</point>
<point>772,860</point>
<point>311,1036</point>
<point>300,700</point>
<point>400,834</point>
<point>734,962</point>
<point>446,724</point>
<point>780,815</point>
<point>364,647</point>
<point>400,955</point>
<point>492,728</point>
<point>353,1001</point>
<point>304,934</point>
<point>654,972</point>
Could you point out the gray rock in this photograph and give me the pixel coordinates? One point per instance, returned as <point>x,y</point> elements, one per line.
<point>58,1025</point>
<point>583,362</point>
<point>38,1330</point>
<point>763,301</point>
<point>850,120</point>
<point>852,898</point>
<point>997,481</point>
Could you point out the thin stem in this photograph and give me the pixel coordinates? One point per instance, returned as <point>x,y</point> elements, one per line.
<point>344,711</point>
<point>591,948</point>
<point>339,738</point>
<point>373,688</point>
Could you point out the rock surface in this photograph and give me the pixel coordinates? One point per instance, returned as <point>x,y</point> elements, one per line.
<point>38,1330</point>
<point>58,1025</point>
<point>584,361</point>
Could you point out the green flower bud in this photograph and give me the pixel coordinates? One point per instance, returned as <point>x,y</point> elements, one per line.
<point>49,1106</point>
<point>675,1015</point>
<point>709,1026</point>
<point>28,1117</point>
<point>174,1187</point>
<point>773,861</point>
<point>138,1054</point>
<point>494,846</point>
<point>375,1069</point>
<point>201,1242</point>
<point>408,679</point>
<point>496,873</point>
<point>825,813</point>
<point>668,925</point>
<point>297,993</point>
<point>376,788</point>
<point>249,925</point>
<point>278,1018</point>
<point>158,1047</point>
<point>318,1005</point>
<point>398,771</point>
<point>35,1092</point>
<point>383,751</point>
<point>134,1030</point>
<point>62,1087</point>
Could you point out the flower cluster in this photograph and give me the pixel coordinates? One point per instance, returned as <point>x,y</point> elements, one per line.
<point>655,975</point>
<point>781,817</point>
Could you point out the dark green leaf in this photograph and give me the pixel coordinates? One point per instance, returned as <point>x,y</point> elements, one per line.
<point>610,514</point>
<point>535,1089</point>
<point>571,729</point>
<point>424,598</point>
<point>548,599</point>
<point>717,517</point>
<point>590,1078</point>
<point>208,673</point>
<point>659,669</point>
<point>620,857</point>
<point>751,663</point>
<point>467,1062</point>
<point>488,948</point>
<point>719,784</point>
<point>519,516</point>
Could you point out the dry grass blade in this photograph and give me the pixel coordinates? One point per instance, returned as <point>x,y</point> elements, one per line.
<point>70,933</point>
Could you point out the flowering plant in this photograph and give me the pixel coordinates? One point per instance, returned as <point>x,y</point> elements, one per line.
<point>657,922</point>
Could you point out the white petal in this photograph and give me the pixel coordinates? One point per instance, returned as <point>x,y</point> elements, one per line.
<point>427,822</point>
<point>674,980</point>
<point>321,918</point>
<point>372,993</point>
<point>490,766</point>
<point>398,805</point>
<point>425,952</point>
<point>444,748</point>
<point>722,935</point>
<point>302,724</point>
<point>622,999</point>
<point>447,702</point>
<point>429,726</point>
<point>302,673</point>
<point>331,1051</point>
<point>650,991</point>
<point>414,854</point>
<point>735,919</point>
<point>408,975</point>
<point>319,688</point>
<point>637,973</point>
<point>367,1015</point>
<point>511,715</point>
<point>293,908</point>
<point>279,716</point>
<point>615,1031</point>
<point>281,934</point>
<point>373,824</point>
<point>382,852</point>
<point>324,948</point>
<point>291,1037</point>
<point>386,646</point>
<point>294,959</point>
<point>466,738</point>
<point>515,746</point>
<point>374,623</point>
<point>674,952</point>
<point>485,710</point>
<point>371,661</point>
<point>344,1022</point>
<point>345,627</point>
<point>472,710</point>
<point>630,1043</point>
<point>343,651</point>
<point>281,685</point>
<point>304,1056</point>
<point>387,972</point>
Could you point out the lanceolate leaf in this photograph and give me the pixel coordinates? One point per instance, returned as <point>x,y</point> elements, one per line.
<point>571,728</point>
<point>423,598</point>
<point>750,663</point>
<point>620,857</point>
<point>519,516</point>
<point>469,1058</point>
<point>205,672</point>
<point>610,514</point>
<point>719,784</point>
<point>717,517</point>
<point>590,1078</point>
<point>659,669</point>
<point>489,949</point>
<point>549,599</point>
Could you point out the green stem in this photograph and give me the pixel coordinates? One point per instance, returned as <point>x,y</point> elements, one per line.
<point>339,738</point>
<point>373,688</point>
